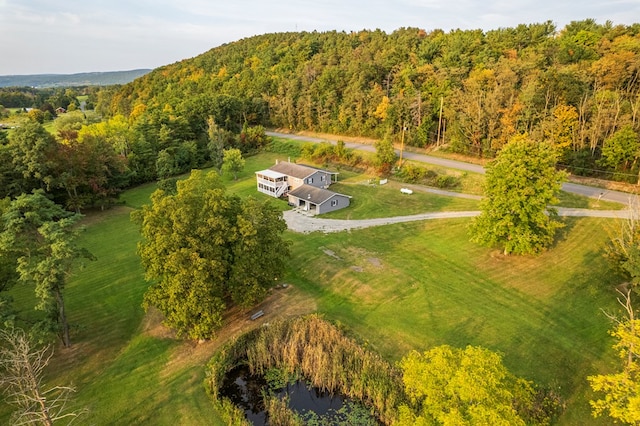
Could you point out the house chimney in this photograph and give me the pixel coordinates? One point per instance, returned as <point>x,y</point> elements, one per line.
<point>309,197</point>
<point>289,159</point>
<point>276,161</point>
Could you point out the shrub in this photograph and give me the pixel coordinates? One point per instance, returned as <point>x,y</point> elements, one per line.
<point>447,181</point>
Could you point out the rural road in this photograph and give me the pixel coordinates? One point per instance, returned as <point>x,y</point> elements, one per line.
<point>587,191</point>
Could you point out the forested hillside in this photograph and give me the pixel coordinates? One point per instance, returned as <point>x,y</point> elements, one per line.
<point>469,91</point>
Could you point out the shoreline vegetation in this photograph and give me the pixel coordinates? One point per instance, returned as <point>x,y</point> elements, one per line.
<point>328,359</point>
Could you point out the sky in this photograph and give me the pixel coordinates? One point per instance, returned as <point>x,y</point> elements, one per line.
<point>73,36</point>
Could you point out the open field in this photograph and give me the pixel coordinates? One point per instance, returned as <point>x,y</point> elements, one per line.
<point>396,288</point>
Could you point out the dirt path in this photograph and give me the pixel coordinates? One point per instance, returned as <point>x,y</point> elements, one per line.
<point>299,222</point>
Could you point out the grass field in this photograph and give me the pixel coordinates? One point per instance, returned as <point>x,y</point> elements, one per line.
<point>395,287</point>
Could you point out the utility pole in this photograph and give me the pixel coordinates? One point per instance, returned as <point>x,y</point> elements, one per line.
<point>440,121</point>
<point>401,145</point>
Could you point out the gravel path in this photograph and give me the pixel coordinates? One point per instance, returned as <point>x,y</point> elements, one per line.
<point>300,222</point>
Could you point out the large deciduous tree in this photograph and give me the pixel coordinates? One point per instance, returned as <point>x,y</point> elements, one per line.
<point>31,148</point>
<point>621,150</point>
<point>520,184</point>
<point>41,236</point>
<point>206,250</point>
<point>467,386</point>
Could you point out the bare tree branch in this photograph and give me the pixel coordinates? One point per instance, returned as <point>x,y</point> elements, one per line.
<point>22,368</point>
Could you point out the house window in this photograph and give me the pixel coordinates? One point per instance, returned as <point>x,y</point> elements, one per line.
<point>310,180</point>
<point>323,178</point>
<point>334,203</point>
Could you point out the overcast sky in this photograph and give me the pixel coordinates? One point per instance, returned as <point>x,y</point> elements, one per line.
<point>72,36</point>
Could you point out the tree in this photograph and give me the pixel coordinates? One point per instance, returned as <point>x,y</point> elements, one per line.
<point>205,251</point>
<point>463,387</point>
<point>256,258</point>
<point>621,390</point>
<point>42,237</point>
<point>90,172</point>
<point>216,138</point>
<point>36,115</point>
<point>621,149</point>
<point>385,155</point>
<point>623,251</point>
<point>22,367</point>
<point>252,138</point>
<point>232,162</point>
<point>519,186</point>
<point>31,148</point>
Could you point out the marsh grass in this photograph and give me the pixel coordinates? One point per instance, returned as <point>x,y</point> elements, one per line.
<point>322,354</point>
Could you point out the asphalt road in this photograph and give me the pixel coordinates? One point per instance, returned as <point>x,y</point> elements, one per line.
<point>584,190</point>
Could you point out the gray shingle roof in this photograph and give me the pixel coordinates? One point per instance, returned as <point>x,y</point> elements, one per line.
<point>292,169</point>
<point>312,194</point>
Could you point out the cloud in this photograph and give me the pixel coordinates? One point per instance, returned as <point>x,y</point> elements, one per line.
<point>101,35</point>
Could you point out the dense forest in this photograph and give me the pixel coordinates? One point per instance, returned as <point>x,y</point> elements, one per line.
<point>468,91</point>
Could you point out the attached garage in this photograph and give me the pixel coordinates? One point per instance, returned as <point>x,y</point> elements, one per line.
<point>317,200</point>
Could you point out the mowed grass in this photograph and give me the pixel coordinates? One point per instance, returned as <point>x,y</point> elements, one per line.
<point>397,288</point>
<point>123,372</point>
<point>373,201</point>
<point>415,286</point>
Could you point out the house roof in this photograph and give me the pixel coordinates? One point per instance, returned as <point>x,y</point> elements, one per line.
<point>314,195</point>
<point>299,171</point>
<point>271,173</point>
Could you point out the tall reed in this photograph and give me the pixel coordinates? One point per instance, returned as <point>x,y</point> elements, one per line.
<point>323,355</point>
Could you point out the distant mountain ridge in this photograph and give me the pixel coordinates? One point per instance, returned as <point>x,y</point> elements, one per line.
<point>69,80</point>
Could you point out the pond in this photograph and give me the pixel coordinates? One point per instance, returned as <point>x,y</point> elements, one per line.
<point>245,390</point>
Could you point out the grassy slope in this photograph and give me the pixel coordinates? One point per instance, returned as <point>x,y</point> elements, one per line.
<point>413,286</point>
<point>399,287</point>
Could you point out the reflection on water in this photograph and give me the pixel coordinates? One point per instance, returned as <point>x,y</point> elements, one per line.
<point>245,390</point>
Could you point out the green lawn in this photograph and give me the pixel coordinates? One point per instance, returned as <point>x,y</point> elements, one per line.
<point>372,201</point>
<point>397,287</point>
<point>413,286</point>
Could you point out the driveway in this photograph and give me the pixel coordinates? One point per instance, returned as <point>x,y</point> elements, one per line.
<point>300,222</point>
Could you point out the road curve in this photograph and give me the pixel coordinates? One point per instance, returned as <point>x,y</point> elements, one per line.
<point>302,223</point>
<point>584,190</point>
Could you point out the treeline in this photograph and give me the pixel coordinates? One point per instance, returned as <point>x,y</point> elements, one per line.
<point>45,99</point>
<point>467,91</point>
<point>86,162</point>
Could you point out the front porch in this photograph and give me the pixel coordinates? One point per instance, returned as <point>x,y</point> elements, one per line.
<point>272,183</point>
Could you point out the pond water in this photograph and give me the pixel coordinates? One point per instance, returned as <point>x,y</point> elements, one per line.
<point>245,390</point>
